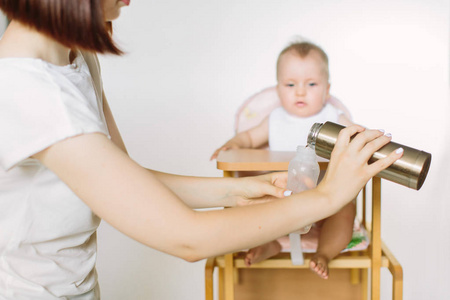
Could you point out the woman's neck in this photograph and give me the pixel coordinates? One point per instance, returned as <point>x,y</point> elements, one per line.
<point>22,41</point>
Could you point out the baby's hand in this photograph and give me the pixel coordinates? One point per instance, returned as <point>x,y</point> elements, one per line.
<point>225,147</point>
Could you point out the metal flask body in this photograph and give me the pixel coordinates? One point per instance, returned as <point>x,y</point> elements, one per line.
<point>410,170</point>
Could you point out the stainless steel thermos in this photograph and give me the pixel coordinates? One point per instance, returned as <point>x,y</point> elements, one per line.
<point>410,170</point>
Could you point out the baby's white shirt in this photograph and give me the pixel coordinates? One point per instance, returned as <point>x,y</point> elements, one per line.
<point>286,131</point>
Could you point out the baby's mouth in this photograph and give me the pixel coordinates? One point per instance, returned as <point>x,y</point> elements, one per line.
<point>300,104</point>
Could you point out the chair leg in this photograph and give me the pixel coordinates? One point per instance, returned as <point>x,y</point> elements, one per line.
<point>354,273</point>
<point>228,274</point>
<point>397,274</point>
<point>229,278</point>
<point>209,282</point>
<point>376,239</point>
<point>221,284</point>
<point>364,283</point>
<point>397,287</point>
<point>236,275</point>
<point>354,276</point>
<point>397,282</point>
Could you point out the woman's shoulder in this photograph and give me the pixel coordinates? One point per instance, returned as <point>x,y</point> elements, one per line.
<point>24,72</point>
<point>32,76</point>
<point>20,64</point>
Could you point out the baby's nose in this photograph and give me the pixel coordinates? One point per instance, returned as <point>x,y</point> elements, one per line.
<point>300,90</point>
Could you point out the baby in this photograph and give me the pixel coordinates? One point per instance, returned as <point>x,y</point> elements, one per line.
<point>303,88</point>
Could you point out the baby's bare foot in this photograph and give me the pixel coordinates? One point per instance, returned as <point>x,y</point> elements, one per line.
<point>319,265</point>
<point>260,253</point>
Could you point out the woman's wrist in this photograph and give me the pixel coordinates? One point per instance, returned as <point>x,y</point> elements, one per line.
<point>330,198</point>
<point>239,192</point>
<point>235,191</point>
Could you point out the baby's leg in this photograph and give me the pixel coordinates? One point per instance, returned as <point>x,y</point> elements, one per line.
<point>335,235</point>
<point>262,252</point>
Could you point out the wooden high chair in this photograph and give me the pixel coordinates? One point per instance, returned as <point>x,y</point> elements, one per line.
<point>374,258</point>
<point>234,162</point>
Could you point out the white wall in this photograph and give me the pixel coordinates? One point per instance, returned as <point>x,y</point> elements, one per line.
<point>189,66</point>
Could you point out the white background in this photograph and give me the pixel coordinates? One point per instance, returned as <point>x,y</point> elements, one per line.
<point>189,66</point>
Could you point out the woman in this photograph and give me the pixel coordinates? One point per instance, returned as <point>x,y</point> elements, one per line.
<point>63,166</point>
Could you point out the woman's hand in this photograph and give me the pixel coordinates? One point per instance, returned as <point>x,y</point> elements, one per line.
<point>260,189</point>
<point>348,170</point>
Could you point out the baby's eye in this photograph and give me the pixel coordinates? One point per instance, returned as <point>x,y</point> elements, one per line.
<point>312,84</point>
<point>289,84</point>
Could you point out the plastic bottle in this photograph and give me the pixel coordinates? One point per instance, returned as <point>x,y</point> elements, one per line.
<point>303,173</point>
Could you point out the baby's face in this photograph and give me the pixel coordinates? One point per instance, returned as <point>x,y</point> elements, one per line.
<point>302,84</point>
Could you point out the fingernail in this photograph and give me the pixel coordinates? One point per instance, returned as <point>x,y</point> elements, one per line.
<point>287,193</point>
<point>388,135</point>
<point>381,130</point>
<point>399,150</point>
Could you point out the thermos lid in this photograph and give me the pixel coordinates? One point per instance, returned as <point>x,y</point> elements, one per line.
<point>424,160</point>
<point>312,135</point>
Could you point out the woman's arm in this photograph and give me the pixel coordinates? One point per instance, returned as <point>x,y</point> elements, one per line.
<point>202,192</point>
<point>134,201</point>
<point>199,192</point>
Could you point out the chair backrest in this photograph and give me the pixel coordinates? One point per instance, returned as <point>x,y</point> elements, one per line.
<point>259,106</point>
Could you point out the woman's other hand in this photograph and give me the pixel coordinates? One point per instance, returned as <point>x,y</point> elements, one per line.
<point>260,189</point>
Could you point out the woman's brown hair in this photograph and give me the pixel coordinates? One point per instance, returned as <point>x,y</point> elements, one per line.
<point>77,24</point>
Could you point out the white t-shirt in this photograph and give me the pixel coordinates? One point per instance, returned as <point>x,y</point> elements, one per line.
<point>286,131</point>
<point>47,234</point>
